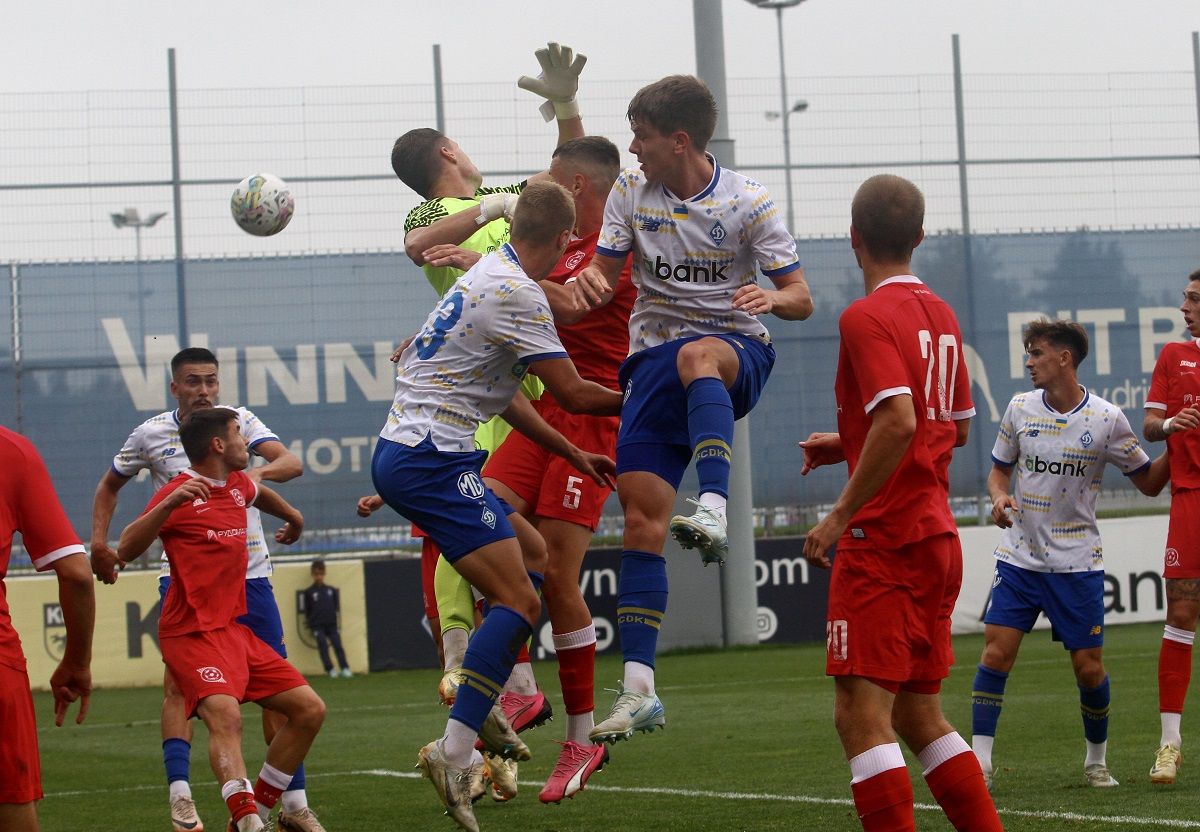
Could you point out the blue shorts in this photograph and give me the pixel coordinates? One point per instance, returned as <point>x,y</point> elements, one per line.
<point>262,611</point>
<point>1073,601</point>
<point>442,492</point>
<point>654,424</point>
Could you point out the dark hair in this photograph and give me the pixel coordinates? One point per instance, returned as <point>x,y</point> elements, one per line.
<point>595,156</point>
<point>414,157</point>
<point>677,102</point>
<point>888,212</point>
<point>1194,276</point>
<point>544,210</point>
<point>1066,335</point>
<point>198,429</point>
<point>192,355</point>
<point>317,564</point>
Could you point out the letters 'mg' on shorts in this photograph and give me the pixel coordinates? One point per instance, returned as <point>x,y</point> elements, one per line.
<point>442,492</point>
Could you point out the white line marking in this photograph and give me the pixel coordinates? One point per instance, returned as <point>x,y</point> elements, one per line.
<point>1169,823</point>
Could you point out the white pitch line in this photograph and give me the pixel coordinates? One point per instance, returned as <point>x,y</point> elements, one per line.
<point>1168,823</point>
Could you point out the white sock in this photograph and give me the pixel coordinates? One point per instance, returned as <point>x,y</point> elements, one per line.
<point>982,746</point>
<point>293,801</point>
<point>579,726</point>
<point>1170,729</point>
<point>250,823</point>
<point>714,502</point>
<point>458,744</point>
<point>454,645</point>
<point>521,679</point>
<point>179,788</point>
<point>1097,752</point>
<point>638,677</point>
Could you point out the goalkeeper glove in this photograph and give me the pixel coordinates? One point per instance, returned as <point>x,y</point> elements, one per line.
<point>495,206</point>
<point>557,82</point>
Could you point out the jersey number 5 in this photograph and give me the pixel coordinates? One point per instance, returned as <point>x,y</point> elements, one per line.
<point>942,361</point>
<point>433,335</point>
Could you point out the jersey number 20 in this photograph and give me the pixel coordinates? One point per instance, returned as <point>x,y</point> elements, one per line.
<point>942,362</point>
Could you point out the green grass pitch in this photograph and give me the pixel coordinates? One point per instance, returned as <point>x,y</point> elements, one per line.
<point>749,745</point>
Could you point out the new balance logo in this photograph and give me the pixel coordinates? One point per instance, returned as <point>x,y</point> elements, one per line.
<point>712,273</point>
<point>650,225</point>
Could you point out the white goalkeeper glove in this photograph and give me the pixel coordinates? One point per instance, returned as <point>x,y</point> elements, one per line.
<point>495,206</point>
<point>557,82</point>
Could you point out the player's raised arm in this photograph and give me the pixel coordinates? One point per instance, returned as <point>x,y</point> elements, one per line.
<point>282,465</point>
<point>558,83</point>
<point>137,537</point>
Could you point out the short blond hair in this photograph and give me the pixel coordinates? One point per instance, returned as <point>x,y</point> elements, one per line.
<point>888,212</point>
<point>544,210</point>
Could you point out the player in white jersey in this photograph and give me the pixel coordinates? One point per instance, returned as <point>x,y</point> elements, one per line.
<point>155,445</point>
<point>699,355</point>
<point>1058,438</point>
<point>464,367</point>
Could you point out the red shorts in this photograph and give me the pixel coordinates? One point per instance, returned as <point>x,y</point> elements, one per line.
<point>889,611</point>
<point>548,483</point>
<point>231,661</point>
<point>20,768</point>
<point>1182,556</point>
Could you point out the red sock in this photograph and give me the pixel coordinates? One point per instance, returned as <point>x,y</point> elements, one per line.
<point>577,674</point>
<point>266,794</point>
<point>885,802</point>
<point>523,655</point>
<point>240,805</point>
<point>1174,675</point>
<point>957,785</point>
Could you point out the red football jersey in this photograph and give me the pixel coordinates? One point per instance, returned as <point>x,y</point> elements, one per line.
<point>599,342</point>
<point>902,339</point>
<point>28,505</point>
<point>1174,386</point>
<point>205,541</point>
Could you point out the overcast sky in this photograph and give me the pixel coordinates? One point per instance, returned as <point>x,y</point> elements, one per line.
<point>121,44</point>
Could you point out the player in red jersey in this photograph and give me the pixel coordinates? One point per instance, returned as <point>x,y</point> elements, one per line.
<point>563,504</point>
<point>218,663</point>
<point>29,505</point>
<point>904,404</point>
<point>1172,415</point>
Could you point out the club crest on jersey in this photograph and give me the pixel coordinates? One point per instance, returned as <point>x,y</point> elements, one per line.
<point>1172,558</point>
<point>54,631</point>
<point>470,486</point>
<point>212,675</point>
<point>1086,440</point>
<point>237,497</point>
<point>717,233</point>
<point>574,260</point>
<point>489,518</point>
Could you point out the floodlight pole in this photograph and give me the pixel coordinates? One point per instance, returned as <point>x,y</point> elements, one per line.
<point>784,116</point>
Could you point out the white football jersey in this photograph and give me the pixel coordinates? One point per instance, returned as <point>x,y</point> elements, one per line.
<point>692,255</point>
<point>154,444</point>
<point>1060,459</point>
<point>465,365</point>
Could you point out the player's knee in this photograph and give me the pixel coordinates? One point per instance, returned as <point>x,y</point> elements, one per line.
<point>223,722</point>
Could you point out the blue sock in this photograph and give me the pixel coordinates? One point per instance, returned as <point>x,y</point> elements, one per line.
<point>1093,704</point>
<point>710,429</point>
<point>490,656</point>
<point>641,604</point>
<point>297,780</point>
<point>177,755</point>
<point>987,697</point>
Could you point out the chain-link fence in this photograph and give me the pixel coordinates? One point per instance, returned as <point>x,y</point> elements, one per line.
<point>1082,199</point>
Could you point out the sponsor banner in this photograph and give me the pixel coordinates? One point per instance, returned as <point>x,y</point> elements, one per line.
<point>125,646</point>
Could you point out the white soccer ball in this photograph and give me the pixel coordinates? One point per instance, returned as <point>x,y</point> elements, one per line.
<point>262,204</point>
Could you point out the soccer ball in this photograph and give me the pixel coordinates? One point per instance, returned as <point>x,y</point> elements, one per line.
<point>262,204</point>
